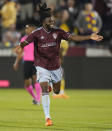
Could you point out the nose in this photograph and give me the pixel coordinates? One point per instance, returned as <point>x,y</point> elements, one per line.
<point>52,20</point>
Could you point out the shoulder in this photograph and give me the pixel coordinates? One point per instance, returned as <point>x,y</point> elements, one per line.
<point>37,30</point>
<point>57,29</point>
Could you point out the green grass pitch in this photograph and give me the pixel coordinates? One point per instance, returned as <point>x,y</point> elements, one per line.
<point>85,110</point>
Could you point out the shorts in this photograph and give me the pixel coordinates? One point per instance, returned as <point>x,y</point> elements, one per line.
<point>44,75</point>
<point>29,69</point>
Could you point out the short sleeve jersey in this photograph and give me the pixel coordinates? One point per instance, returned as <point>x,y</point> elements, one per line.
<point>47,47</point>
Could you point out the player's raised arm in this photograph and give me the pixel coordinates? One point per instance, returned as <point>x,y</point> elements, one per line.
<point>94,36</point>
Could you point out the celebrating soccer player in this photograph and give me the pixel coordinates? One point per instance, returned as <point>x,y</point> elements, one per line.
<point>47,60</point>
<point>29,68</point>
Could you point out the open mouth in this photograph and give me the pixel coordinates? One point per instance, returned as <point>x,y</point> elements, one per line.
<point>51,25</point>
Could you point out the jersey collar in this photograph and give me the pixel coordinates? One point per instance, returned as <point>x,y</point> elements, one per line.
<point>46,30</point>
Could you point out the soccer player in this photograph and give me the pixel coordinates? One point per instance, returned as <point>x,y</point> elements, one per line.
<point>29,68</point>
<point>47,60</point>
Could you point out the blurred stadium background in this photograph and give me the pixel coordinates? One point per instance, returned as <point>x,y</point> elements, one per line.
<point>87,65</point>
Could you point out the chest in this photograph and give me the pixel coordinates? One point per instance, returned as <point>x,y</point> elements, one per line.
<point>46,38</point>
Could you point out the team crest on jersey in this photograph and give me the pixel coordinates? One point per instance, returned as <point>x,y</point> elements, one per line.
<point>42,37</point>
<point>54,35</point>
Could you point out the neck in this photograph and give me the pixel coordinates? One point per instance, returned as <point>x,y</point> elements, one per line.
<point>46,28</point>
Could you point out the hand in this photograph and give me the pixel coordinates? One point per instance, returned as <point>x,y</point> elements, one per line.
<point>18,50</point>
<point>15,66</point>
<point>96,37</point>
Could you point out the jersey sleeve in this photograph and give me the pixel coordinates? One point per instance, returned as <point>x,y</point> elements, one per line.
<point>31,38</point>
<point>64,35</point>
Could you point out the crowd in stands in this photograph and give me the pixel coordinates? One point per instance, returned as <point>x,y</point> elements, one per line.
<point>76,16</point>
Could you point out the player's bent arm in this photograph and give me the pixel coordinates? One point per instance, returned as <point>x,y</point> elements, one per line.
<point>94,36</point>
<point>17,60</point>
<point>23,44</point>
<point>19,49</point>
<point>19,57</point>
<point>16,63</point>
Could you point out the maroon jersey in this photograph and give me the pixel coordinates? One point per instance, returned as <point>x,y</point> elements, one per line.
<point>47,47</point>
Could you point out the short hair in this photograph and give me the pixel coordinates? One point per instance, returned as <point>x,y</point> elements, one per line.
<point>44,12</point>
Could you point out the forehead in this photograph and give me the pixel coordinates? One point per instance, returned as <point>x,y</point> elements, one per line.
<point>49,18</point>
<point>88,4</point>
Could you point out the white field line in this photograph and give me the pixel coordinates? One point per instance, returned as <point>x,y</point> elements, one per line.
<point>90,123</point>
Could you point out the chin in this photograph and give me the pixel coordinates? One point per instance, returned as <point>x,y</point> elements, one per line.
<point>52,26</point>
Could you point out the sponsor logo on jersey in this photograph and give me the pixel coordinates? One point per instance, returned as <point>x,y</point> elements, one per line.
<point>49,44</point>
<point>54,35</point>
<point>42,37</point>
